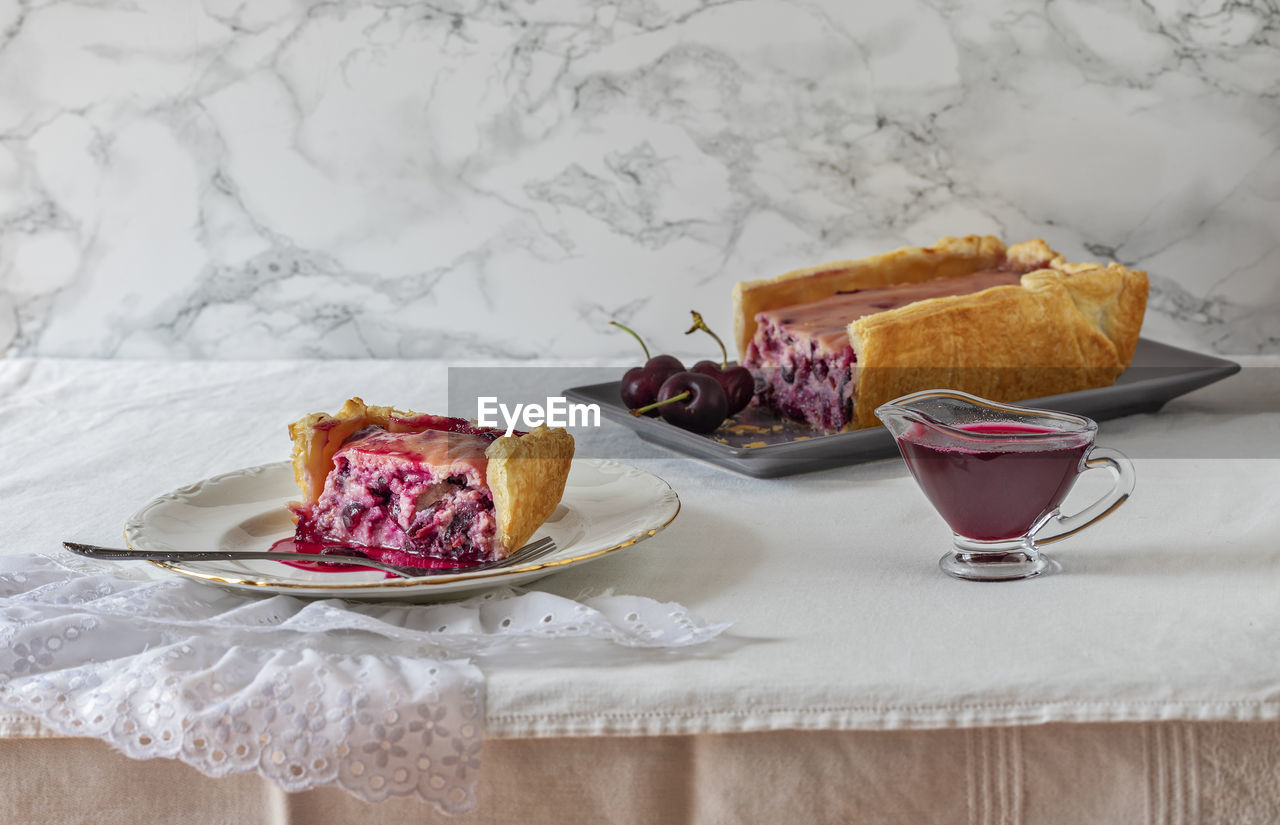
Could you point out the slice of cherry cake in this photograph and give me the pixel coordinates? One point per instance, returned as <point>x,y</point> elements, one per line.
<point>405,486</point>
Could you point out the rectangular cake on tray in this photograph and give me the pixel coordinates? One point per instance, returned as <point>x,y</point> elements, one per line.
<point>829,344</point>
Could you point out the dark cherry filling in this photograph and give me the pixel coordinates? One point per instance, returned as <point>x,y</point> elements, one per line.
<point>452,527</point>
<point>806,387</point>
<point>387,500</point>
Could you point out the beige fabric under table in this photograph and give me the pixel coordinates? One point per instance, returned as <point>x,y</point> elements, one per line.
<point>1167,773</point>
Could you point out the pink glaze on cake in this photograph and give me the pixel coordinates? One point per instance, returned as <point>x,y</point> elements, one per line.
<point>408,495</point>
<point>401,423</point>
<point>801,357</point>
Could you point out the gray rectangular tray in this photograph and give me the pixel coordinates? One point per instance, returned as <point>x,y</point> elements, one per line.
<point>780,447</point>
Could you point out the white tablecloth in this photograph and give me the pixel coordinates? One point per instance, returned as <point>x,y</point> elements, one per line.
<point>1164,611</point>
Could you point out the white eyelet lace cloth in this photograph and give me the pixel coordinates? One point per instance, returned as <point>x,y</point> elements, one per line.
<point>378,699</point>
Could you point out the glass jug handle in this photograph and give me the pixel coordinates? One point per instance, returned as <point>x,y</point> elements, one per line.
<point>1058,526</point>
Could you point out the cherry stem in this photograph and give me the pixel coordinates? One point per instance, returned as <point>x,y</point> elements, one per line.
<point>642,410</point>
<point>633,334</point>
<point>699,324</point>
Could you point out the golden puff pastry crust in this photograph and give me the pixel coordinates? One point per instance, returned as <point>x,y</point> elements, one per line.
<point>526,474</point>
<point>1065,327</point>
<point>1057,332</point>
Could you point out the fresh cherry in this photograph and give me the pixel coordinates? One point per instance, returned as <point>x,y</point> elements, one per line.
<point>663,367</point>
<point>737,382</point>
<point>691,401</point>
<point>640,385</point>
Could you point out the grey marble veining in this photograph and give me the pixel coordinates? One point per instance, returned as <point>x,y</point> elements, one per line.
<point>238,180</point>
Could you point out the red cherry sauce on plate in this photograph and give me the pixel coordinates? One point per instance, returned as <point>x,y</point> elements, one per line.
<point>307,548</point>
<point>995,489</point>
<point>303,549</point>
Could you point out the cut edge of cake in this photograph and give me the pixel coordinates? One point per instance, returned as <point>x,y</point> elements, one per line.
<point>526,472</point>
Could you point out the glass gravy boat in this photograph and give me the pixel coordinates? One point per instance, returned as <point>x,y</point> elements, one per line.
<point>997,474</point>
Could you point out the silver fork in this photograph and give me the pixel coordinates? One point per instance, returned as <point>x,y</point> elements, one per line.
<point>531,551</point>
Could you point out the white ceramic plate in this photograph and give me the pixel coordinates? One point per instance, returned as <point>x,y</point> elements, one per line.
<point>606,507</point>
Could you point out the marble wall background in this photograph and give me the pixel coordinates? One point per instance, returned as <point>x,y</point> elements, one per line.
<point>274,178</point>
